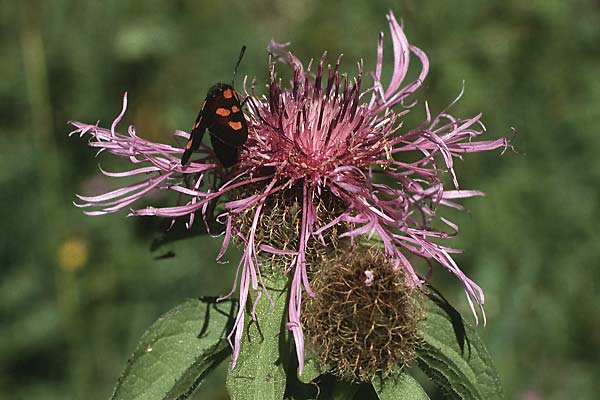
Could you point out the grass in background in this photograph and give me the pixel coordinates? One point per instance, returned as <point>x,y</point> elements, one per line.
<point>77,292</point>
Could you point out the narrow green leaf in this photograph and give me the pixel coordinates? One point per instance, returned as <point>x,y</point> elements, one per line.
<point>312,369</point>
<point>460,374</point>
<point>403,387</point>
<point>483,366</point>
<point>450,373</point>
<point>176,353</point>
<point>194,376</point>
<point>260,373</point>
<point>458,324</point>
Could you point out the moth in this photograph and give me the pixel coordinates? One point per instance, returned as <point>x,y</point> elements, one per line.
<point>221,114</point>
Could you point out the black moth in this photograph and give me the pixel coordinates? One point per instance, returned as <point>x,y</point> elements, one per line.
<point>222,115</point>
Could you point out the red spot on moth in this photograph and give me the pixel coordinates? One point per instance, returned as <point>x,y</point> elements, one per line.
<point>236,126</point>
<point>223,112</point>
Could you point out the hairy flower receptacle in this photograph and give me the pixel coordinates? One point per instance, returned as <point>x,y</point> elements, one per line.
<point>278,228</point>
<point>363,318</point>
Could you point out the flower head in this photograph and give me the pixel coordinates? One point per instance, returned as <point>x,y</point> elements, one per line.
<point>363,320</point>
<point>323,137</point>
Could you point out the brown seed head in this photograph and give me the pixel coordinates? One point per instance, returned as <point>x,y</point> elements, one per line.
<point>363,319</point>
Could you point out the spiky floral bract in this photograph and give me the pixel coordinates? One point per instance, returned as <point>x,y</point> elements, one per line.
<point>323,132</point>
<point>363,319</point>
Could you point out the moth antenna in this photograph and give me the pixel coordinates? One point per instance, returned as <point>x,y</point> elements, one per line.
<point>242,51</point>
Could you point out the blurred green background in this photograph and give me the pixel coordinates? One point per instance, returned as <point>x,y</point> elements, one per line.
<point>77,292</point>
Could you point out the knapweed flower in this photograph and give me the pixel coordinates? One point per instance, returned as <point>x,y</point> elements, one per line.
<point>335,153</point>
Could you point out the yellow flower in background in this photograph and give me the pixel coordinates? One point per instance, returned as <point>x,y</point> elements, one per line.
<point>72,254</point>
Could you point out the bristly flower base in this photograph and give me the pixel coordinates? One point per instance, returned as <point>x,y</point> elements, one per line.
<point>363,320</point>
<point>278,228</point>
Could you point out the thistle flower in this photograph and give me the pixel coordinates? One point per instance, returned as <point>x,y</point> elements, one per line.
<point>323,136</point>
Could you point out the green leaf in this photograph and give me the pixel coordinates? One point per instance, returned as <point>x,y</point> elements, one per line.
<point>403,387</point>
<point>260,370</point>
<point>458,324</point>
<point>177,352</point>
<point>312,370</point>
<point>461,375</point>
<point>483,366</point>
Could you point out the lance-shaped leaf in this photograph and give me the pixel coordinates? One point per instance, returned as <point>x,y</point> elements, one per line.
<point>312,370</point>
<point>403,386</point>
<point>460,374</point>
<point>260,369</point>
<point>177,352</point>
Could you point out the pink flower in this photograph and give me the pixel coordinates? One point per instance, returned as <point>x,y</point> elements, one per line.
<point>334,136</point>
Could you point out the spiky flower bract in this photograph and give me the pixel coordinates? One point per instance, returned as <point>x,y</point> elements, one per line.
<point>363,319</point>
<point>324,133</point>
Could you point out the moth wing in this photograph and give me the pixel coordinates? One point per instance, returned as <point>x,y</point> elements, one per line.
<point>227,155</point>
<point>226,119</point>
<point>196,136</point>
<point>231,130</point>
